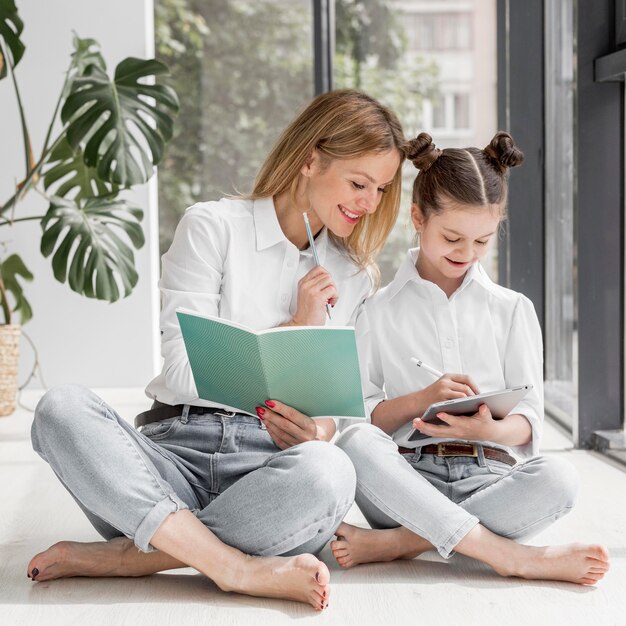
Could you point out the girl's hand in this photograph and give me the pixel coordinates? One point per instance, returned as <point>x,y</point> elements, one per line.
<point>288,427</point>
<point>478,427</point>
<point>448,387</point>
<point>315,290</point>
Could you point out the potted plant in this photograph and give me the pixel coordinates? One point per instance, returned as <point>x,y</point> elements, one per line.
<point>112,133</point>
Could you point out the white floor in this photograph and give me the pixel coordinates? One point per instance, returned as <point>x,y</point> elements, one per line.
<point>36,511</point>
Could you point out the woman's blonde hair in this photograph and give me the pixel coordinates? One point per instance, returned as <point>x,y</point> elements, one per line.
<point>342,124</point>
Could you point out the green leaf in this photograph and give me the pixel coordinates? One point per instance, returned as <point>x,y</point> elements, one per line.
<point>88,253</point>
<point>11,27</point>
<point>86,53</point>
<point>67,174</point>
<point>121,125</point>
<point>10,269</point>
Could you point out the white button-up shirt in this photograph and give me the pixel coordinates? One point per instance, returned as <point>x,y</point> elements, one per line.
<point>484,330</point>
<point>231,259</point>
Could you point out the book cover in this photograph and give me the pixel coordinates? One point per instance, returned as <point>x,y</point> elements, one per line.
<point>313,369</point>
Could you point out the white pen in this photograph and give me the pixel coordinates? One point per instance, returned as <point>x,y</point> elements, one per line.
<point>427,368</point>
<point>314,251</point>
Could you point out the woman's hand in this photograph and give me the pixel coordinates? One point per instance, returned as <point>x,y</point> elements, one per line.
<point>315,290</point>
<point>478,427</point>
<point>448,387</point>
<point>288,427</point>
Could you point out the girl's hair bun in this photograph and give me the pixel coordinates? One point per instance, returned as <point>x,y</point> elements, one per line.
<point>503,152</point>
<point>421,151</point>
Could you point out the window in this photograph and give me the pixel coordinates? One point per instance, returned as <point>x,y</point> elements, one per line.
<point>422,64</point>
<point>242,70</point>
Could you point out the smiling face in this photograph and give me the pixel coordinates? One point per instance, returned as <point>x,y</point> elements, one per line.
<point>343,191</point>
<point>452,240</point>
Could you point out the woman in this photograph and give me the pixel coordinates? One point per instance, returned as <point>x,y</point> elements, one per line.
<point>201,486</point>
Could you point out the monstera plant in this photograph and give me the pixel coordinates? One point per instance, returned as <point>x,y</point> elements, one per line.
<point>105,135</point>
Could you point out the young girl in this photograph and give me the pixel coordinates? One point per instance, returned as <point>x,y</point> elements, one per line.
<point>457,488</point>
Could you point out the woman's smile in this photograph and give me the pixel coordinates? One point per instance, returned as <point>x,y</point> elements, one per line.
<point>349,216</point>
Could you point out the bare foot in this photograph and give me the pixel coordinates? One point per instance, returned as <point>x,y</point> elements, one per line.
<point>302,578</point>
<point>360,545</point>
<point>576,563</point>
<point>117,557</point>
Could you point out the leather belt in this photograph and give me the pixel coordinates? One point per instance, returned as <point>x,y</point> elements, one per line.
<point>160,411</point>
<point>454,448</point>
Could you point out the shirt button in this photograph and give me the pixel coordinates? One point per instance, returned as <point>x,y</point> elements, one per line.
<point>448,343</point>
<point>283,298</point>
<point>290,264</point>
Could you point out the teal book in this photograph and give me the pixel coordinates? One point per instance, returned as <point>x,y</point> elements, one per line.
<point>314,369</point>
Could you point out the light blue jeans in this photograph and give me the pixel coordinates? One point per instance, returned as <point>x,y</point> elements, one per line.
<point>225,468</point>
<point>442,498</point>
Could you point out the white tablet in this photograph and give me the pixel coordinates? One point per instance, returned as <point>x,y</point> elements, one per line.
<point>500,404</point>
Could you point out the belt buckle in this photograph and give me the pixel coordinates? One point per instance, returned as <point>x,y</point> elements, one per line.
<point>441,450</point>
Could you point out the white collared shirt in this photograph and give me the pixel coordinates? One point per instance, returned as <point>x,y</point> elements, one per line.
<point>484,330</point>
<point>231,259</point>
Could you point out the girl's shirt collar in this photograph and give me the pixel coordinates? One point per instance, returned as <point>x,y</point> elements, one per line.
<point>407,273</point>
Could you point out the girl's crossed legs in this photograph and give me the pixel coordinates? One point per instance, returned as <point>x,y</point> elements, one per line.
<point>464,505</point>
<point>247,498</point>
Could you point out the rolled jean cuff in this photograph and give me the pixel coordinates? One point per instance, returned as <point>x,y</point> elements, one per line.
<point>447,548</point>
<point>151,522</point>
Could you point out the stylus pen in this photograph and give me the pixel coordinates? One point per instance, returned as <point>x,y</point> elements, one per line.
<point>427,368</point>
<point>314,251</point>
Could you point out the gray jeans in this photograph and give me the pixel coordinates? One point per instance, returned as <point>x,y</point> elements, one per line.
<point>442,498</point>
<point>224,468</point>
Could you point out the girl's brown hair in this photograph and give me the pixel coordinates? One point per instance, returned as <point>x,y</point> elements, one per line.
<point>466,175</point>
<point>342,124</point>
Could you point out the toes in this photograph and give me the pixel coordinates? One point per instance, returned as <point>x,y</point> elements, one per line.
<point>598,552</point>
<point>322,575</point>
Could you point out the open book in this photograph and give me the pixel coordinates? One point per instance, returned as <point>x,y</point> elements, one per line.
<point>314,369</point>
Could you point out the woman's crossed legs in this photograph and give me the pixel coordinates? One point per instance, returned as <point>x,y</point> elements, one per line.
<point>130,487</point>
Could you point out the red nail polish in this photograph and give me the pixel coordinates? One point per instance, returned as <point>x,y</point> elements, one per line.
<point>260,411</point>
<point>270,403</point>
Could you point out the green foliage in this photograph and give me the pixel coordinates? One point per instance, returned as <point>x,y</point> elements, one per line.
<point>88,252</point>
<point>10,269</point>
<point>11,27</point>
<point>113,118</point>
<point>243,68</point>
<point>114,131</point>
<point>68,170</point>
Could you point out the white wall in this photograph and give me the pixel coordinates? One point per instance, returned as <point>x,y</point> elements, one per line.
<point>78,339</point>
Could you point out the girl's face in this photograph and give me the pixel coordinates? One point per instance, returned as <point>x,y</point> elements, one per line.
<point>451,241</point>
<point>347,190</point>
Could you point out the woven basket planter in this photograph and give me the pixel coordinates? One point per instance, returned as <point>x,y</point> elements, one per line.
<point>9,361</point>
